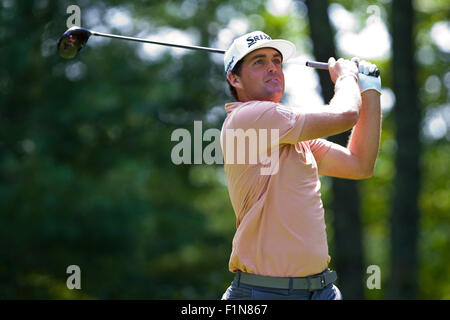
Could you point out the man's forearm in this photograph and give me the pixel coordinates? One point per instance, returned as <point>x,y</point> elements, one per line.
<point>346,97</point>
<point>365,139</point>
<point>339,116</point>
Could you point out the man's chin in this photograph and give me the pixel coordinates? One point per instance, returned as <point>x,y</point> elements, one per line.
<point>268,95</point>
<point>275,95</point>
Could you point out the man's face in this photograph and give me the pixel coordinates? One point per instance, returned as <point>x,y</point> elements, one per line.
<point>261,76</point>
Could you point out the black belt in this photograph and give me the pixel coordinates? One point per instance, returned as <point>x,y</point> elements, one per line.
<point>311,283</point>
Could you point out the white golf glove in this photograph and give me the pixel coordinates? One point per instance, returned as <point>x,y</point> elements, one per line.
<point>365,81</point>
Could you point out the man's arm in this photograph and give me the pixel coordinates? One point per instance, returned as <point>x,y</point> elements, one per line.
<point>342,113</point>
<point>357,161</point>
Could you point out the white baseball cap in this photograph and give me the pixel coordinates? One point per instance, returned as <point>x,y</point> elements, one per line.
<point>250,42</point>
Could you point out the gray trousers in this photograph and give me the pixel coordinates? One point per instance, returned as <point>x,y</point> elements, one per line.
<point>241,291</point>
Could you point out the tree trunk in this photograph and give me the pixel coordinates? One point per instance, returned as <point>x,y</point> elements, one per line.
<point>405,215</point>
<point>348,259</point>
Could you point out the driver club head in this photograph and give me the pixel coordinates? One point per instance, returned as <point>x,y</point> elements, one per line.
<point>72,41</point>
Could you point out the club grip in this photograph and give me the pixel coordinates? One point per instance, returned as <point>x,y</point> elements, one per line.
<point>324,66</point>
<point>317,65</point>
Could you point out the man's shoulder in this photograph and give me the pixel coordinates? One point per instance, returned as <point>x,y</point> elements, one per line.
<point>255,106</point>
<point>251,102</point>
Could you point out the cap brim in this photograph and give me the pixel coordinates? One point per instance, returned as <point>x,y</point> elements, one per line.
<point>286,48</point>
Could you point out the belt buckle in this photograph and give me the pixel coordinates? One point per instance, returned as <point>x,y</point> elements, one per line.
<point>316,283</point>
<point>322,281</point>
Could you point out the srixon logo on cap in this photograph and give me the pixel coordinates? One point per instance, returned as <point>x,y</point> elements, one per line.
<point>229,65</point>
<point>252,40</point>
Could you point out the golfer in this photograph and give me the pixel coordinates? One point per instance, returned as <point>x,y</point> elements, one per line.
<point>280,248</point>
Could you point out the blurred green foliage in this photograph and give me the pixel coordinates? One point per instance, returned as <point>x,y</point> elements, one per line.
<point>86,176</point>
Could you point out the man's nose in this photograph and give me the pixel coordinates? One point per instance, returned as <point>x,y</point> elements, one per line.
<point>272,67</point>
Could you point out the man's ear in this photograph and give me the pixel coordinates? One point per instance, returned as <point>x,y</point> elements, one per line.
<point>234,80</point>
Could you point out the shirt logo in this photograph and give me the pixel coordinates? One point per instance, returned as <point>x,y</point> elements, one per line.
<point>252,40</point>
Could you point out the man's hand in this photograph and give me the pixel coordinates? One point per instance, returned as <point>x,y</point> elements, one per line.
<point>341,68</point>
<point>365,81</point>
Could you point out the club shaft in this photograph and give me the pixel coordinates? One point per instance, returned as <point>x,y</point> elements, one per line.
<point>168,44</point>
<point>311,64</point>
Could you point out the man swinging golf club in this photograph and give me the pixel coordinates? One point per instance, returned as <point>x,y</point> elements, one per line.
<point>280,248</point>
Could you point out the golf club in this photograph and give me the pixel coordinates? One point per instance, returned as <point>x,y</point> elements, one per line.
<point>75,38</point>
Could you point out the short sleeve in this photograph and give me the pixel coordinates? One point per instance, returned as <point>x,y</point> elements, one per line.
<point>270,115</point>
<point>319,147</point>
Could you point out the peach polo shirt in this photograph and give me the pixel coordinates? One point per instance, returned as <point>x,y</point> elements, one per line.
<point>280,225</point>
